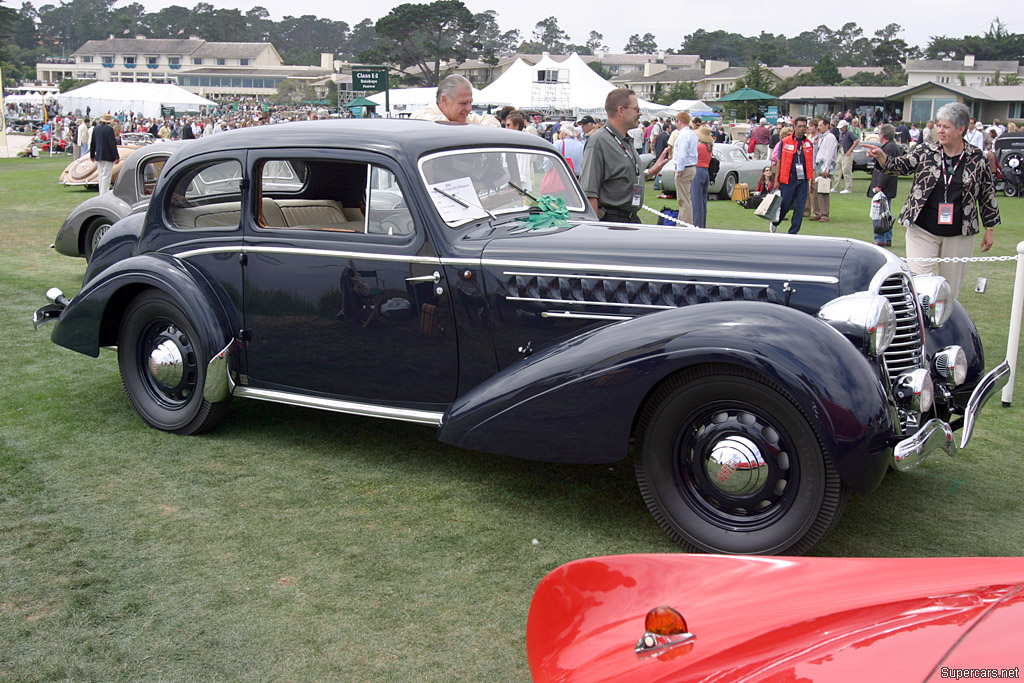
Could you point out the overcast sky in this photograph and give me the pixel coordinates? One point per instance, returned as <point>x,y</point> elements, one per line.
<point>618,20</point>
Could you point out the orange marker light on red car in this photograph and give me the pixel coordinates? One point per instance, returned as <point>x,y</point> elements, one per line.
<point>665,621</point>
<point>664,629</point>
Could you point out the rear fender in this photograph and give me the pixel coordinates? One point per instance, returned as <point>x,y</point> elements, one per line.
<point>92,318</point>
<point>577,400</point>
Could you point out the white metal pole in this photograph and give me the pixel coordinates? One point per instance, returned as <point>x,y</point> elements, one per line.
<point>1013,340</point>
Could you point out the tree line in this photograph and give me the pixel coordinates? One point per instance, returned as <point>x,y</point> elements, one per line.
<point>426,35</point>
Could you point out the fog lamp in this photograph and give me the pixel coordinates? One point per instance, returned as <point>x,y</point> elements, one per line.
<point>951,364</point>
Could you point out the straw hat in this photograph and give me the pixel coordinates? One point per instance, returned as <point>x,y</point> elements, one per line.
<point>704,135</point>
<point>106,118</point>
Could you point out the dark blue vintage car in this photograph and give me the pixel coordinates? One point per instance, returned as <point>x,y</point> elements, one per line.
<point>406,270</point>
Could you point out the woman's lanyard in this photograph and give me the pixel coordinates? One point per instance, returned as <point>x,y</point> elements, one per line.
<point>946,207</point>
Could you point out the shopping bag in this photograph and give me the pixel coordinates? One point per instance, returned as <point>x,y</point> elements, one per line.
<point>824,184</point>
<point>770,207</point>
<point>883,224</point>
<point>740,192</point>
<point>551,183</point>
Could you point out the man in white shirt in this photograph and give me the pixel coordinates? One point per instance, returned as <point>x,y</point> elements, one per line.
<point>975,135</point>
<point>683,146</point>
<point>826,148</point>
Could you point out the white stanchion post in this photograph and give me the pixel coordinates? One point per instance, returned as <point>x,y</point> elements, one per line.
<point>1013,340</point>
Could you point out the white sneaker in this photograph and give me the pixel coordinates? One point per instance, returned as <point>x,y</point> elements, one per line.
<point>773,227</point>
<point>846,192</point>
<point>833,190</point>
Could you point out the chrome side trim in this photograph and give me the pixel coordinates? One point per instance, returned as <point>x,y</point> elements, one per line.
<point>588,303</point>
<point>460,261</point>
<point>709,283</point>
<point>298,251</point>
<point>219,385</point>
<point>426,417</point>
<point>679,272</point>
<point>584,316</point>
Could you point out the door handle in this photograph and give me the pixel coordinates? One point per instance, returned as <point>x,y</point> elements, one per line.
<point>435,278</point>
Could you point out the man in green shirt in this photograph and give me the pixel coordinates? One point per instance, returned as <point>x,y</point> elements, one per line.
<point>611,176</point>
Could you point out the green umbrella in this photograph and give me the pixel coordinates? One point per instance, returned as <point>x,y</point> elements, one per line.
<point>747,95</point>
<point>361,102</point>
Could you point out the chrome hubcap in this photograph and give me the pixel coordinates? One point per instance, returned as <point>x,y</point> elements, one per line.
<point>735,466</point>
<point>166,364</point>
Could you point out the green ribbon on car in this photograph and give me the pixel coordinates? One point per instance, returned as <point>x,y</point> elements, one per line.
<point>553,213</point>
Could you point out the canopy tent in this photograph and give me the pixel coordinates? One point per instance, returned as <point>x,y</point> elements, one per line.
<point>548,84</point>
<point>142,98</point>
<point>29,98</point>
<point>747,95</point>
<point>692,106</point>
<point>409,100</point>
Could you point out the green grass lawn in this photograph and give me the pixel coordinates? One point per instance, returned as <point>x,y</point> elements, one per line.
<point>293,544</point>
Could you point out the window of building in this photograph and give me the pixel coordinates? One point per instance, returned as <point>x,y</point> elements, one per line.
<point>221,61</point>
<point>85,59</point>
<point>197,60</point>
<point>174,60</point>
<point>152,60</point>
<point>244,62</point>
<point>129,59</point>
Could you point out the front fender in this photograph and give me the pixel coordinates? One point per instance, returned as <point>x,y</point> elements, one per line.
<point>577,400</point>
<point>92,318</point>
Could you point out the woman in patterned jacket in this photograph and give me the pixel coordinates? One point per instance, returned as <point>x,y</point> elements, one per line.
<point>952,193</point>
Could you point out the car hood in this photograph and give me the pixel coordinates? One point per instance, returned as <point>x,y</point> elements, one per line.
<point>777,619</point>
<point>817,268</point>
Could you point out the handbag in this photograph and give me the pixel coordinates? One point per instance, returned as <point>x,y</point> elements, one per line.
<point>824,184</point>
<point>751,202</point>
<point>770,207</point>
<point>552,183</point>
<point>883,224</point>
<point>740,192</point>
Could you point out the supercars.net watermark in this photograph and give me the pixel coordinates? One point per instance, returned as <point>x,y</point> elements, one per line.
<point>958,674</point>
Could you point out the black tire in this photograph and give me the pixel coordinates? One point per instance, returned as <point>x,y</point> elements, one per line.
<point>1009,189</point>
<point>168,397</point>
<point>694,431</point>
<point>94,231</point>
<point>728,185</point>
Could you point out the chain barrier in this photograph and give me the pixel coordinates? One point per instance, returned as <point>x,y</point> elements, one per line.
<point>962,259</point>
<point>679,223</point>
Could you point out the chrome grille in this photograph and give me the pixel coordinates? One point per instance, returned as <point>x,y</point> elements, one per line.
<point>907,349</point>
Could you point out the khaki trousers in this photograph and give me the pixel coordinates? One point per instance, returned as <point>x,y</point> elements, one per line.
<point>844,169</point>
<point>684,179</point>
<point>923,244</point>
<point>822,202</point>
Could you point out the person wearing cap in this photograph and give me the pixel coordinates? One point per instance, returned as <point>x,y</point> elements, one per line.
<point>762,136</point>
<point>611,177</point>
<point>586,126</point>
<point>844,168</point>
<point>701,180</point>
<point>103,150</point>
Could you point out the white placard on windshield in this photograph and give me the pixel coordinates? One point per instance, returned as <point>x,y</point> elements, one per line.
<point>456,200</point>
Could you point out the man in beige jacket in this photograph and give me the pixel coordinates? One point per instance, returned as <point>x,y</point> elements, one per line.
<point>455,104</point>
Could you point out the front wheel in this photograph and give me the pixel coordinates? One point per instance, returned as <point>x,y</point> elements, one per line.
<point>728,463</point>
<point>163,366</point>
<point>728,186</point>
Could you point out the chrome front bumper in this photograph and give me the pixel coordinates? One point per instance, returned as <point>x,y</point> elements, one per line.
<point>937,436</point>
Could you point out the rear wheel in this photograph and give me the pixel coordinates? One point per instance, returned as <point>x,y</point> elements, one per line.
<point>728,463</point>
<point>94,232</point>
<point>163,366</point>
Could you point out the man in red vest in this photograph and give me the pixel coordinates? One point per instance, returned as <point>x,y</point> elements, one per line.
<point>793,167</point>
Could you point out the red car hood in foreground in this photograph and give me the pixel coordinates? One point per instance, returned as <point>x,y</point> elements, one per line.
<point>780,619</point>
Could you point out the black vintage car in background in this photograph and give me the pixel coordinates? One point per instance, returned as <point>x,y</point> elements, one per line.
<point>405,270</point>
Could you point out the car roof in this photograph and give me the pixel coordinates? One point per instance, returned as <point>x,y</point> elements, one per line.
<point>405,140</point>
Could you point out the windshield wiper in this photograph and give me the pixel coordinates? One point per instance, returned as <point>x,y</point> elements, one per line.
<point>521,191</point>
<point>461,202</point>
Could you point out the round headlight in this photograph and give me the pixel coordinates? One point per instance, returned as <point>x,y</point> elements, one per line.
<point>868,320</point>
<point>951,364</point>
<point>914,390</point>
<point>935,297</point>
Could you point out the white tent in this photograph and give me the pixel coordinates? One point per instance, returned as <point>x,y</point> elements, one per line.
<point>409,100</point>
<point>29,98</point>
<point>548,84</point>
<point>142,98</point>
<point>690,105</point>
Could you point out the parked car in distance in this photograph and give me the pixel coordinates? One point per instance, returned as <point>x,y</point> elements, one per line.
<point>735,167</point>
<point>680,618</point>
<point>82,171</point>
<point>406,270</point>
<point>90,220</point>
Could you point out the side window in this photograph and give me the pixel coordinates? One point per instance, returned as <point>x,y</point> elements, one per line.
<point>207,196</point>
<point>331,196</point>
<point>150,172</point>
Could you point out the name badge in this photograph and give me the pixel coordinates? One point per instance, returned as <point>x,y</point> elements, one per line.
<point>800,173</point>
<point>945,214</point>
<point>638,196</point>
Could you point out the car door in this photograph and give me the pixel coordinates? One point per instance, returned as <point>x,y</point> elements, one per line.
<point>344,294</point>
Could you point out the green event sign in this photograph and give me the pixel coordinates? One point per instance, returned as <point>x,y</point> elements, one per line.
<point>369,78</point>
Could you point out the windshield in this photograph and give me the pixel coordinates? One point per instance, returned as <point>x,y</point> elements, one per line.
<point>466,185</point>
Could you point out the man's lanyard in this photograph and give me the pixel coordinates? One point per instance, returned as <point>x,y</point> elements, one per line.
<point>947,174</point>
<point>636,166</point>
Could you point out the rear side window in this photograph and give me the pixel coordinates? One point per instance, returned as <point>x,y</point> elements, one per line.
<point>334,196</point>
<point>207,196</point>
